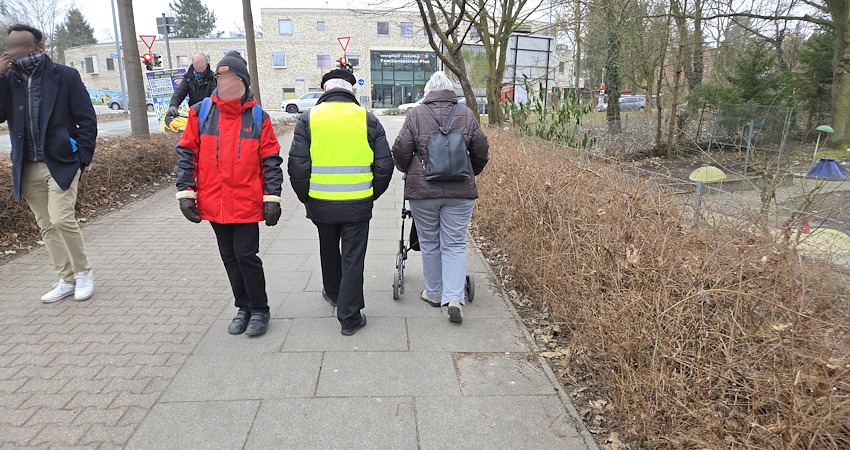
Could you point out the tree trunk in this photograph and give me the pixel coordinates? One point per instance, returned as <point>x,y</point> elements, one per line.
<point>577,20</point>
<point>251,45</point>
<point>133,67</point>
<point>841,82</point>
<point>612,86</point>
<point>658,106</point>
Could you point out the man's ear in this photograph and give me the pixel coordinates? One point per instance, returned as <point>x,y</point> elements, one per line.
<point>40,46</point>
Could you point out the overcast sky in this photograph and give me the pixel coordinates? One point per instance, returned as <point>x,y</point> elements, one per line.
<point>228,13</point>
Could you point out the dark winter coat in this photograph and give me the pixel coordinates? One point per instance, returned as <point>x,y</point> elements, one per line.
<point>348,211</point>
<point>409,150</point>
<point>194,89</point>
<point>62,110</point>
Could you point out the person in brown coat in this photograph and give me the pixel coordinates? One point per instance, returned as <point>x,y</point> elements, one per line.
<point>442,210</point>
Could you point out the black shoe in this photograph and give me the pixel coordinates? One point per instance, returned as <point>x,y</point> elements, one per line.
<point>258,324</point>
<point>239,323</point>
<point>350,331</point>
<point>328,298</point>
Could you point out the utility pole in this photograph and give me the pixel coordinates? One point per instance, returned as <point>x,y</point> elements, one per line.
<point>251,45</point>
<point>118,52</point>
<point>133,66</point>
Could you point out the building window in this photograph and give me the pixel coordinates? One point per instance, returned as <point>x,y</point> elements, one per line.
<point>320,25</point>
<point>383,28</point>
<point>284,27</point>
<point>110,64</point>
<point>279,59</point>
<point>561,67</point>
<point>90,63</point>
<point>353,59</point>
<point>323,61</point>
<point>184,60</point>
<point>406,29</point>
<point>289,93</point>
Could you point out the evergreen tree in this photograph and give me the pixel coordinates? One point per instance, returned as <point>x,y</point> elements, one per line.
<point>194,19</point>
<point>74,31</point>
<point>813,83</point>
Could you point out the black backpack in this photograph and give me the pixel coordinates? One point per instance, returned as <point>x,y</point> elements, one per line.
<point>448,159</point>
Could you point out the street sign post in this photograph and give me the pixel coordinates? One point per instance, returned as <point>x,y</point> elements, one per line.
<point>166,26</point>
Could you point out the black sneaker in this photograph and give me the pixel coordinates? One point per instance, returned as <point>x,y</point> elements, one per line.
<point>258,324</point>
<point>328,298</point>
<point>239,323</point>
<point>350,331</point>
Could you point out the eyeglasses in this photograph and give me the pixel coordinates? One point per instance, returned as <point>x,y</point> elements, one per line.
<point>226,76</point>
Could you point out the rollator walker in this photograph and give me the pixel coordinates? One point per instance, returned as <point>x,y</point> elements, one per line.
<point>412,244</point>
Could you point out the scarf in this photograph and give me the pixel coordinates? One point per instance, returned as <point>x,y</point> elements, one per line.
<point>25,66</point>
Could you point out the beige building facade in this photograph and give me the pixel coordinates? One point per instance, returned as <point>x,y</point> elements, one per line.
<point>388,50</point>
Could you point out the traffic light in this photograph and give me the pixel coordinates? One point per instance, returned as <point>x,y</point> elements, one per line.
<point>157,60</point>
<point>148,60</point>
<point>343,64</point>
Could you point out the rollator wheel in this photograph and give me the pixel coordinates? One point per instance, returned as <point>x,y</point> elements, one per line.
<point>396,283</point>
<point>470,287</point>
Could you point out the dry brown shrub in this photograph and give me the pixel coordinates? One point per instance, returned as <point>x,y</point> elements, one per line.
<point>700,338</point>
<point>122,168</point>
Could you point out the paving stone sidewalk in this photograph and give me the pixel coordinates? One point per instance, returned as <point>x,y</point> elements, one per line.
<point>147,363</point>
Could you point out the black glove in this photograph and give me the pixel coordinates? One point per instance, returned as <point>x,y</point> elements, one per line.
<point>172,111</point>
<point>271,212</point>
<point>189,208</point>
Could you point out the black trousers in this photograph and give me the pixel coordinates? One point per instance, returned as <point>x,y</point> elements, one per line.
<point>342,267</point>
<point>239,245</point>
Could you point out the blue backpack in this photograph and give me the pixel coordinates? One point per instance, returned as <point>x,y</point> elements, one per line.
<point>206,104</point>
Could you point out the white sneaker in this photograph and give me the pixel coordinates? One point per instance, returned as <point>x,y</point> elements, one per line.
<point>85,285</point>
<point>60,290</point>
<point>435,302</point>
<point>455,312</point>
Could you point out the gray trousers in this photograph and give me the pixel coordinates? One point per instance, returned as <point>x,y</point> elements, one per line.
<point>442,226</point>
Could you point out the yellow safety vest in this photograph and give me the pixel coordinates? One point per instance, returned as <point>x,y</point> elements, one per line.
<point>340,152</point>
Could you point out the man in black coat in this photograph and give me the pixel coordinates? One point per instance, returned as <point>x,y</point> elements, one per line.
<point>339,164</point>
<point>53,129</point>
<point>198,83</point>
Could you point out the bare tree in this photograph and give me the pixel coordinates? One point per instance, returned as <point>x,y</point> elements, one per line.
<point>496,21</point>
<point>832,14</point>
<point>46,15</point>
<point>447,29</point>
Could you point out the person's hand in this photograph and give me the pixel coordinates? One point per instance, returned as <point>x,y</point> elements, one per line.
<point>271,212</point>
<point>6,62</point>
<point>172,111</point>
<point>189,208</point>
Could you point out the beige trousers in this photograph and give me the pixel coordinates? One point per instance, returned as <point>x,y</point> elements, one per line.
<point>56,217</point>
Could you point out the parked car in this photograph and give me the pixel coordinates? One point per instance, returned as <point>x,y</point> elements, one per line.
<point>482,103</point>
<point>404,107</point>
<point>117,102</point>
<point>301,104</point>
<point>628,103</point>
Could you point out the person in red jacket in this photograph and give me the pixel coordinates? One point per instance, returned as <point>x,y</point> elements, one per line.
<point>229,174</point>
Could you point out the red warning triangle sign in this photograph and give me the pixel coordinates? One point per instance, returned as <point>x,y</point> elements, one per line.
<point>145,39</point>
<point>343,42</point>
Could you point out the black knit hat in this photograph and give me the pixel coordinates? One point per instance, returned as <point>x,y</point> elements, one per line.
<point>342,74</point>
<point>234,62</point>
